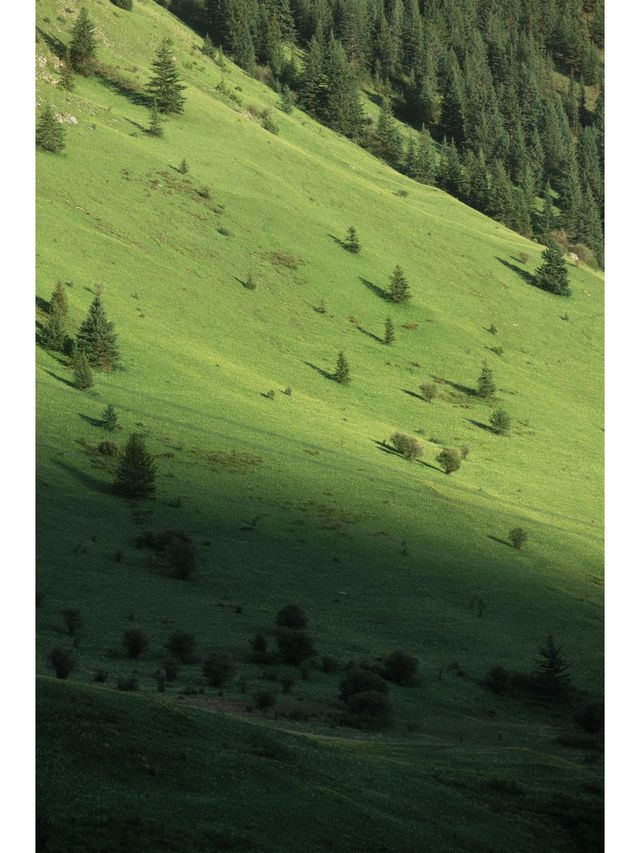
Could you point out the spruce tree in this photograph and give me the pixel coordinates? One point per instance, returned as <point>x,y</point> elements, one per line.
<point>66,73</point>
<point>486,386</point>
<point>399,287</point>
<point>343,110</point>
<point>207,47</point>
<point>552,671</point>
<point>54,333</point>
<point>351,242</point>
<point>342,373</point>
<point>109,418</point>
<point>82,373</point>
<point>500,421</point>
<point>97,338</point>
<point>183,168</point>
<point>313,89</point>
<point>49,131</point>
<point>389,332</point>
<point>155,124</point>
<point>58,303</point>
<point>135,476</point>
<point>286,99</point>
<point>82,48</point>
<point>165,88</point>
<point>387,138</point>
<point>552,275</point>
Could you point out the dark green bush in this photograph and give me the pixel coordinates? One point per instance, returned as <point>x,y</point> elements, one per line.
<point>401,668</point>
<point>498,680</point>
<point>72,619</point>
<point>217,669</point>
<point>62,662</point>
<point>361,681</point>
<point>135,642</point>
<point>294,646</point>
<point>181,646</point>
<point>292,616</point>
<point>264,700</point>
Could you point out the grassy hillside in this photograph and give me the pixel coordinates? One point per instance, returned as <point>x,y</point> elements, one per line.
<point>293,498</point>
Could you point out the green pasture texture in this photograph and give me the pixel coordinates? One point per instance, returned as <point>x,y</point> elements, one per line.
<point>293,499</point>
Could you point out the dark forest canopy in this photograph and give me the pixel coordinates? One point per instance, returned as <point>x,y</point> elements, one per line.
<point>504,98</point>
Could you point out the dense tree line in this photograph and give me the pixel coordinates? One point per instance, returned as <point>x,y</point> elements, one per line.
<point>492,122</point>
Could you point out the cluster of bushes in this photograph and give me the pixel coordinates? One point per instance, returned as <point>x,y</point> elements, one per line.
<point>173,550</point>
<point>549,681</point>
<point>294,644</point>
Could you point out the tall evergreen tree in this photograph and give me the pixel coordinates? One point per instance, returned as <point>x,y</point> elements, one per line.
<point>82,48</point>
<point>54,333</point>
<point>82,373</point>
<point>97,338</point>
<point>389,332</point>
<point>351,242</point>
<point>49,131</point>
<point>486,386</point>
<point>343,110</point>
<point>313,90</point>
<point>58,303</point>
<point>165,88</point>
<point>552,671</point>
<point>136,473</point>
<point>387,139</point>
<point>342,373</point>
<point>399,286</point>
<point>552,275</point>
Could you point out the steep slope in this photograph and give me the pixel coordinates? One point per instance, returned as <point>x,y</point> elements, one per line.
<point>294,499</point>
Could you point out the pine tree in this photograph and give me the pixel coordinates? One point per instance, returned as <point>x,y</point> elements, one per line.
<point>486,386</point>
<point>399,287</point>
<point>49,131</point>
<point>342,373</point>
<point>82,373</point>
<point>54,333</point>
<point>135,476</point>
<point>286,100</point>
<point>343,110</point>
<point>97,338</point>
<point>66,73</point>
<point>155,124</point>
<point>183,168</point>
<point>207,48</point>
<point>387,139</point>
<point>552,275</point>
<point>165,88</point>
<point>552,671</point>
<point>351,242</point>
<point>500,421</point>
<point>389,332</point>
<point>110,418</point>
<point>82,48</point>
<point>58,303</point>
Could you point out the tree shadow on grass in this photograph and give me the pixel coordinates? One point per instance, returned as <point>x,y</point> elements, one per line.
<point>371,335</point>
<point>322,372</point>
<point>386,448</point>
<point>464,389</point>
<point>53,43</point>
<point>112,79</point>
<point>524,275</point>
<point>413,394</point>
<point>375,288</point>
<point>87,479</point>
<point>96,422</point>
<point>337,240</point>
<point>138,125</point>
<point>60,378</point>
<point>42,304</point>
<point>480,425</point>
<point>500,541</point>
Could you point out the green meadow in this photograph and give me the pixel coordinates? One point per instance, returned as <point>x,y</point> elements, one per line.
<point>295,497</point>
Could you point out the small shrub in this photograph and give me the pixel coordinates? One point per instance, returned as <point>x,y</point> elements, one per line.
<point>371,708</point>
<point>518,537</point>
<point>465,450</point>
<point>498,350</point>
<point>288,391</point>
<point>264,700</point>
<point>292,616</point>
<point>492,329</point>
<point>286,682</point>
<point>183,168</point>
<point>401,668</point>
<point>127,5</point>
<point>497,680</point>
<point>181,646</point>
<point>109,418</point>
<point>129,683</point>
<point>591,717</point>
<point>351,242</point>
<point>408,446</point>
<point>171,668</point>
<point>486,386</point>
<point>329,664</point>
<point>82,373</point>
<point>270,395</point>
<point>250,283</point>
<point>218,668</point>
<point>429,391</point>
<point>564,316</point>
<point>524,257</point>
<point>268,122</point>
<point>500,421</point>
<point>360,680</point>
<point>450,459</point>
<point>224,231</point>
<point>108,448</point>
<point>286,100</point>
<point>72,619</point>
<point>135,642</point>
<point>62,662</point>
<point>100,676</point>
<point>294,646</point>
